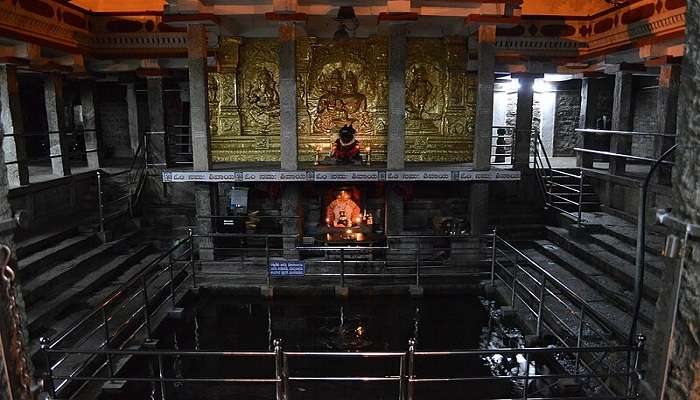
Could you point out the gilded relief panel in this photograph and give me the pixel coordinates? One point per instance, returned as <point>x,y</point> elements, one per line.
<point>440,101</point>
<point>244,101</point>
<point>341,83</point>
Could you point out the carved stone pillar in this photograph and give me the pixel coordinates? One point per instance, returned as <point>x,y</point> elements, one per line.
<point>197,46</point>
<point>396,141</point>
<point>133,116</point>
<point>58,143</point>
<point>523,119</point>
<point>586,120</point>
<point>11,123</point>
<point>621,120</point>
<point>478,202</point>
<point>91,136</point>
<point>288,97</point>
<point>155,137</point>
<point>666,112</point>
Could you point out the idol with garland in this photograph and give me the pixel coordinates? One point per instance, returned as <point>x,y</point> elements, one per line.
<point>346,149</point>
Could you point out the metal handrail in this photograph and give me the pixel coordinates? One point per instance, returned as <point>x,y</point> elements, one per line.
<point>624,133</point>
<point>619,155</point>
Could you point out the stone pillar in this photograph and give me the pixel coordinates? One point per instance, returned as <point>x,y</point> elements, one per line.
<point>621,121</point>
<point>155,137</point>
<point>291,197</point>
<point>133,115</point>
<point>523,120</point>
<point>666,113</point>
<point>205,195</point>
<point>58,143</point>
<point>586,120</point>
<point>11,123</point>
<point>396,140</point>
<point>91,137</point>
<point>288,97</point>
<point>478,202</point>
<point>197,46</point>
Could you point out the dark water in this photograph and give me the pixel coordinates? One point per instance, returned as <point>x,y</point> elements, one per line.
<point>367,324</point>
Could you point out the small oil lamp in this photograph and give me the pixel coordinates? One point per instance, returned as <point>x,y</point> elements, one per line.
<point>318,155</point>
<point>368,149</point>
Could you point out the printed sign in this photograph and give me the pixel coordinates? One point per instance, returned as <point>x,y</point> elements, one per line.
<point>287,268</point>
<point>446,175</point>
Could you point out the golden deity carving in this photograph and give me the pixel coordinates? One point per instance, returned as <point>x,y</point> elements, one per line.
<point>244,101</point>
<point>440,106</point>
<point>339,85</point>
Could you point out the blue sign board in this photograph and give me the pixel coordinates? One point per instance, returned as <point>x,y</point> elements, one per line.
<point>287,268</point>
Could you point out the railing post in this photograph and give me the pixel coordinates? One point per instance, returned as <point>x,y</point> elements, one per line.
<point>540,307</point>
<point>190,238</point>
<point>634,382</point>
<point>100,205</point>
<point>48,376</point>
<point>129,198</point>
<point>418,263</point>
<point>172,281</point>
<point>580,198</point>
<point>267,260</point>
<point>342,267</point>
<point>146,313</point>
<point>515,282</point>
<point>493,257</point>
<point>279,370</point>
<point>527,375</point>
<point>402,377</point>
<point>411,368</point>
<point>579,336</point>
<point>108,337</point>
<point>161,377</point>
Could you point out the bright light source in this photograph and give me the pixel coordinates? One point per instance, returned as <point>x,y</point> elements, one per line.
<point>512,86</point>
<point>542,86</point>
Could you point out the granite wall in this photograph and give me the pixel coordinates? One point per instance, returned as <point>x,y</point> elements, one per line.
<point>644,118</point>
<point>567,110</point>
<point>113,120</point>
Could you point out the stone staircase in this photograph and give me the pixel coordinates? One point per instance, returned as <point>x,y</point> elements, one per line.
<point>598,264</point>
<point>66,270</point>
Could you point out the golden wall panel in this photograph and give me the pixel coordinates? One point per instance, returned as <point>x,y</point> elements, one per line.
<point>341,83</point>
<point>440,101</point>
<point>244,101</point>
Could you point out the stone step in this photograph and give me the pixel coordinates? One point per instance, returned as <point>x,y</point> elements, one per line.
<point>605,295</point>
<point>654,242</point>
<point>85,305</point>
<point>45,284</point>
<point>44,240</point>
<point>39,261</point>
<point>43,312</point>
<point>609,264</point>
<point>654,263</point>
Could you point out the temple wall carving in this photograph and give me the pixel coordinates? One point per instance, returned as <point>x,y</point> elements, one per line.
<point>341,84</point>
<point>244,102</point>
<point>440,101</point>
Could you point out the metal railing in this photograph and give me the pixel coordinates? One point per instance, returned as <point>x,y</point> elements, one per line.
<point>118,320</point>
<point>95,349</point>
<point>74,143</point>
<point>561,190</point>
<point>619,152</point>
<point>429,256</point>
<point>119,193</point>
<point>180,141</point>
<point>502,145</point>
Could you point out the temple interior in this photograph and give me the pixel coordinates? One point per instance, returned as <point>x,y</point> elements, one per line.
<point>306,199</point>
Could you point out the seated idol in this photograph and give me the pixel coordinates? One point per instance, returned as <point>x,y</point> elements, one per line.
<point>346,149</point>
<point>343,212</point>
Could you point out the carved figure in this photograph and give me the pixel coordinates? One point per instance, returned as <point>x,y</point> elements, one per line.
<point>264,98</point>
<point>343,211</point>
<point>342,104</point>
<point>346,149</point>
<point>418,93</point>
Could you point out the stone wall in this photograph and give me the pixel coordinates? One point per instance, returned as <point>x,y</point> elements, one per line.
<point>684,378</point>
<point>644,118</point>
<point>568,108</point>
<point>113,120</point>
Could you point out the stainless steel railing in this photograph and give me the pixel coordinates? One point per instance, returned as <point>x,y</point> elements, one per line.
<point>91,350</point>
<point>502,145</point>
<point>555,184</point>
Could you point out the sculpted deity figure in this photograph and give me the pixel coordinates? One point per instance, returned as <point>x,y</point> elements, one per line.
<point>343,211</point>
<point>418,93</point>
<point>264,98</point>
<point>341,103</point>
